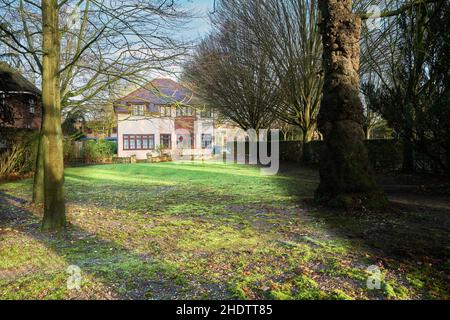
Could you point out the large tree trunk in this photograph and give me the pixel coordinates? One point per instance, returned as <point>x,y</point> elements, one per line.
<point>54,206</point>
<point>345,176</point>
<point>38,184</point>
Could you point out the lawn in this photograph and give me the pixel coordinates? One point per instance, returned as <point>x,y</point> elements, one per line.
<point>215,231</point>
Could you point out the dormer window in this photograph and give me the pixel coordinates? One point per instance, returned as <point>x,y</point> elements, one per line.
<point>32,106</point>
<point>138,109</point>
<point>185,112</point>
<point>166,111</point>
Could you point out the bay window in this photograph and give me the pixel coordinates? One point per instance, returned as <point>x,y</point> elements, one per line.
<point>138,142</point>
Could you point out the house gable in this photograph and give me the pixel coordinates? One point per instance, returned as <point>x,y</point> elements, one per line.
<point>157,92</point>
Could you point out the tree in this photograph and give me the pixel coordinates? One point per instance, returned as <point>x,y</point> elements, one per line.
<point>344,171</point>
<point>414,94</point>
<point>52,142</point>
<point>79,60</point>
<point>104,45</point>
<point>372,119</point>
<point>287,32</point>
<point>344,165</point>
<point>234,77</point>
<point>71,119</point>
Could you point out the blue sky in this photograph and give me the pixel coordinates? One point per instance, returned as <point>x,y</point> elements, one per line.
<point>199,26</point>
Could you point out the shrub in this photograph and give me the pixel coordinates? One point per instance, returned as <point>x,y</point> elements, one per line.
<point>100,149</point>
<point>19,156</point>
<point>67,148</point>
<point>315,148</point>
<point>293,151</point>
<point>160,149</point>
<point>10,160</point>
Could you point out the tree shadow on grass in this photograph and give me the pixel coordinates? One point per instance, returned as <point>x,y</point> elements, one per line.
<point>411,237</point>
<point>109,270</point>
<point>400,229</point>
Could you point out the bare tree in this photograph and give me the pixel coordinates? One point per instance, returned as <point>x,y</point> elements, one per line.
<point>102,42</point>
<point>234,76</point>
<point>78,49</point>
<point>288,33</point>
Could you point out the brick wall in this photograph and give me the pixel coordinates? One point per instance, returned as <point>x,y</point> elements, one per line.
<point>23,117</point>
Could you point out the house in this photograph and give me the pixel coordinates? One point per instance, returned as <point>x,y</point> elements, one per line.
<point>20,100</point>
<point>164,115</point>
<point>20,107</point>
<point>98,122</point>
<point>96,129</point>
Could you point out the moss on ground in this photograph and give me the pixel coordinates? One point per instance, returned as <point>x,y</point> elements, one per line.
<point>212,231</point>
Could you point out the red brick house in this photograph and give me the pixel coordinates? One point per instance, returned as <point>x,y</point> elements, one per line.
<point>20,100</point>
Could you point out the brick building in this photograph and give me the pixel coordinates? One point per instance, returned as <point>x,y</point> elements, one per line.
<point>20,100</point>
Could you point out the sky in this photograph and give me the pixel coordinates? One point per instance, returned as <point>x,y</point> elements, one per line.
<point>199,26</point>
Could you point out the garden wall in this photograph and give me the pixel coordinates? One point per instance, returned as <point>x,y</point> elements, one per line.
<point>385,155</point>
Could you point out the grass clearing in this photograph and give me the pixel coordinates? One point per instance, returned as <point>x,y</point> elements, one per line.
<point>214,231</point>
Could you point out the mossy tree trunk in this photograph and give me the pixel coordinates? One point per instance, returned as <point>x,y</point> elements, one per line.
<point>54,204</point>
<point>345,175</point>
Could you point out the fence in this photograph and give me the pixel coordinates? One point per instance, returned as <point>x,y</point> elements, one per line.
<point>385,155</point>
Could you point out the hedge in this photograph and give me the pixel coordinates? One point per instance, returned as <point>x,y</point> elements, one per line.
<point>385,155</point>
<point>98,151</point>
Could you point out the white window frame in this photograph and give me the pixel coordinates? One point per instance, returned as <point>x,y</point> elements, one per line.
<point>210,141</point>
<point>32,106</point>
<point>138,110</point>
<point>163,110</point>
<point>185,111</point>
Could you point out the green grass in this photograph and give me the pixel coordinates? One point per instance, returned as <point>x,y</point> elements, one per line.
<point>205,231</point>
